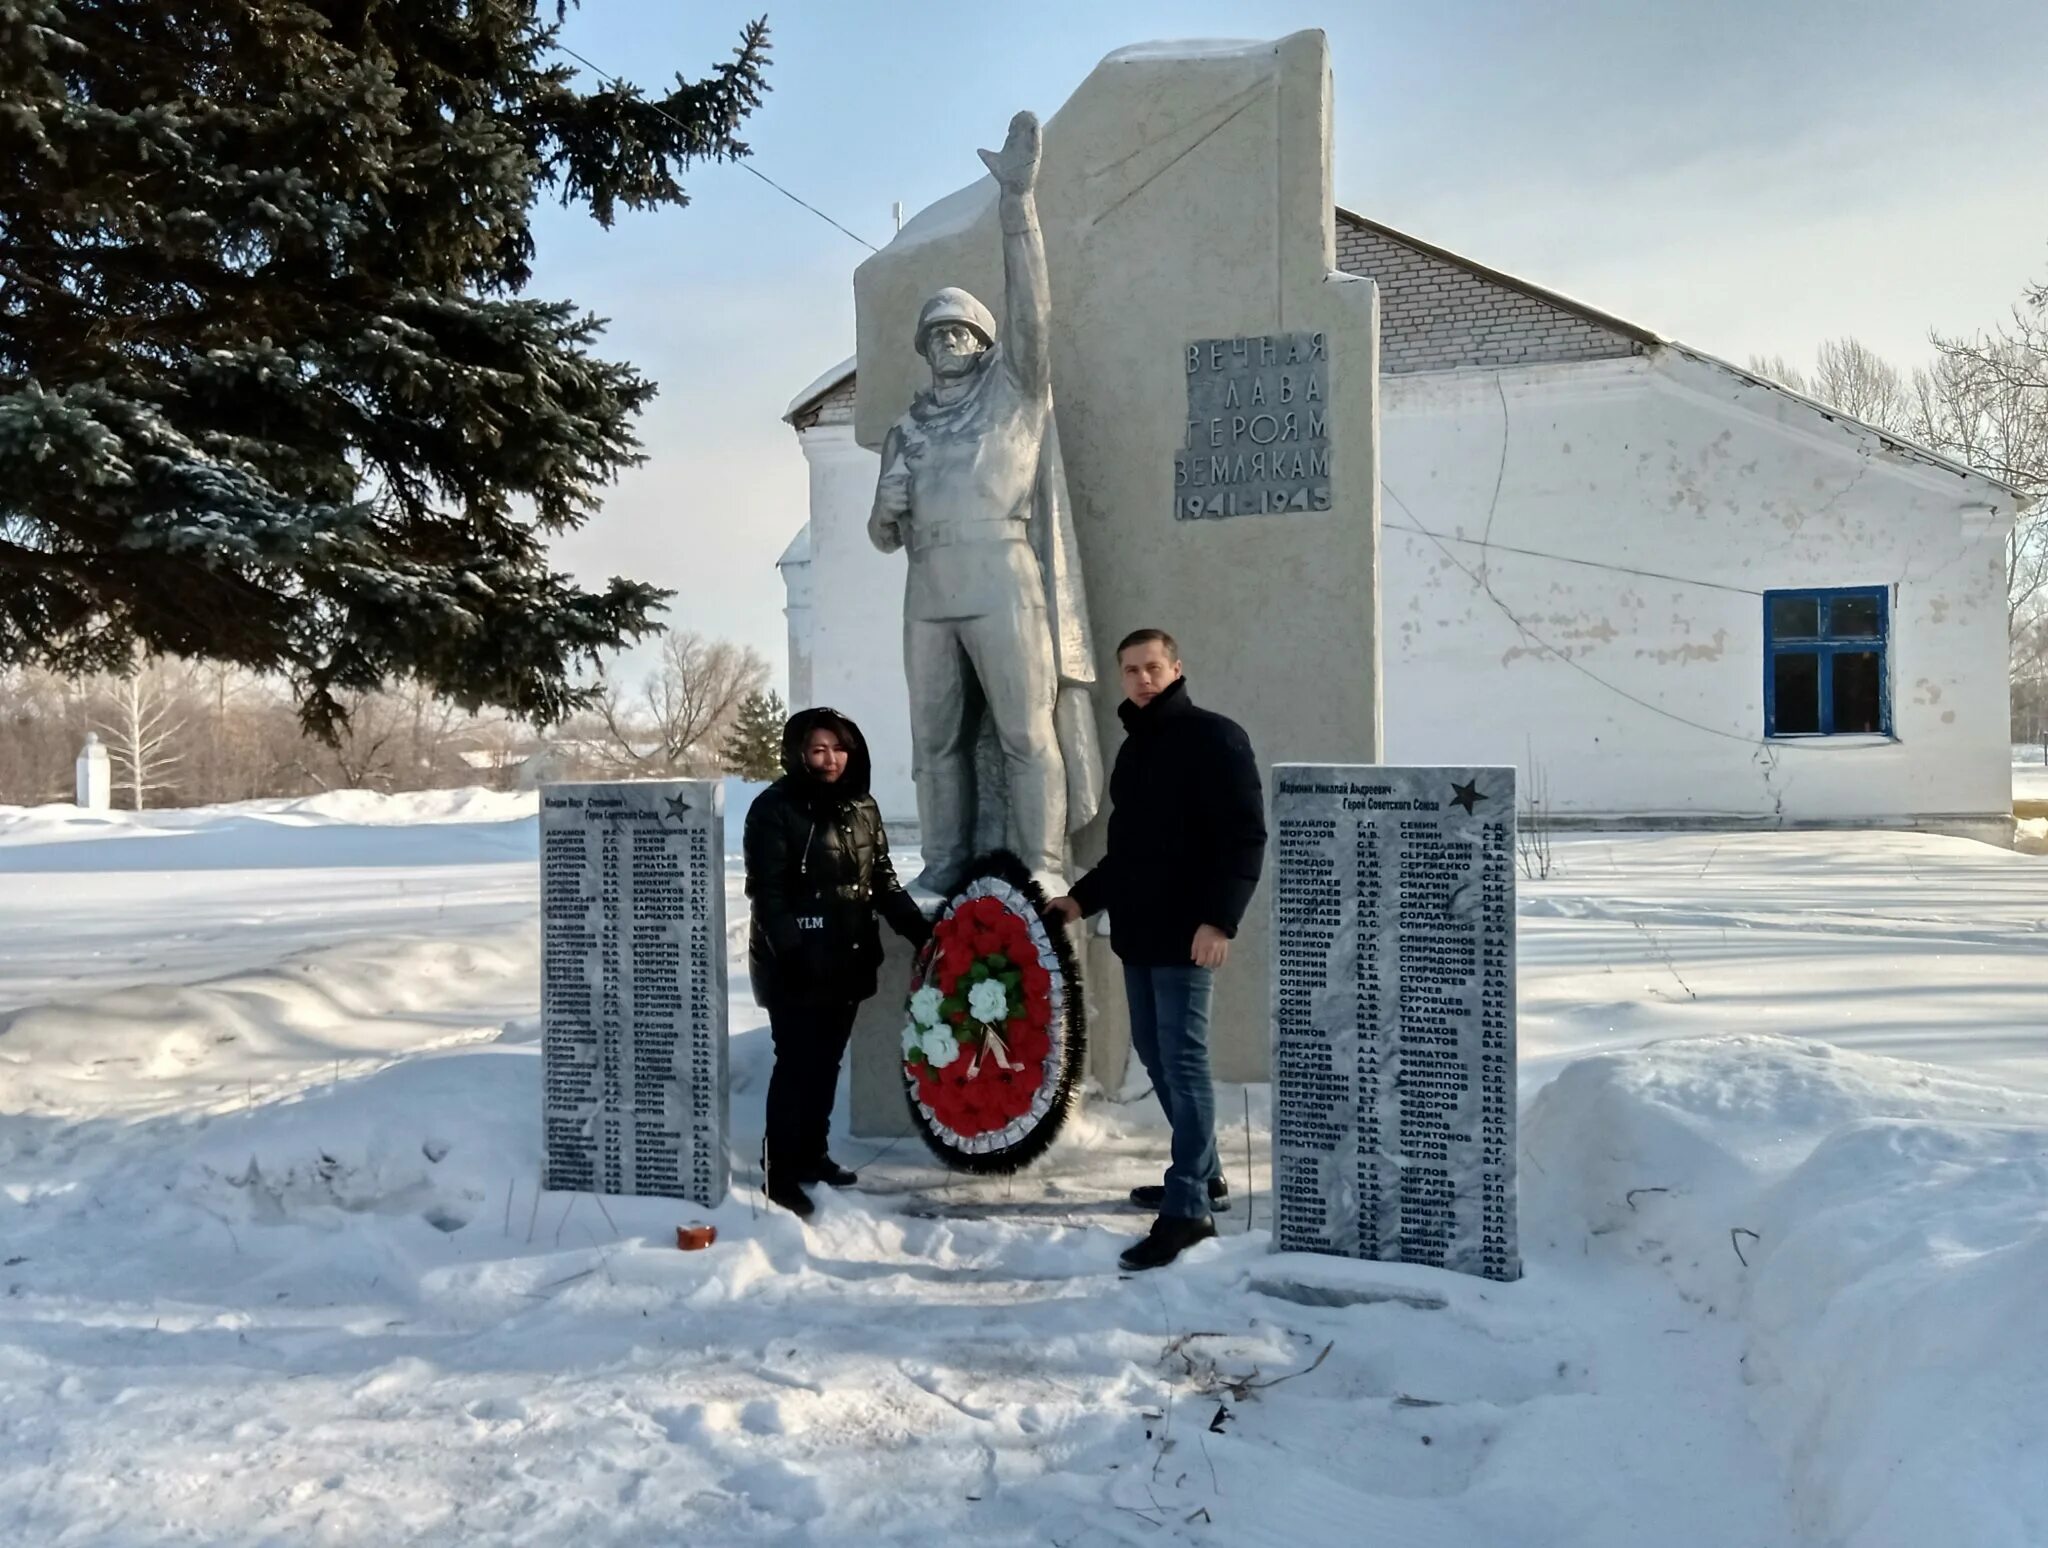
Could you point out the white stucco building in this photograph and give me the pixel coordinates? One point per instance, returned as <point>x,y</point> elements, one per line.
<point>1671,591</point>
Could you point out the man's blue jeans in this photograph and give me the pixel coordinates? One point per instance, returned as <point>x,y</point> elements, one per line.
<point>1170,1031</point>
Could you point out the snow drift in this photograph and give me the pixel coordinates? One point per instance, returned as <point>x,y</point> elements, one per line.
<point>1879,1228</point>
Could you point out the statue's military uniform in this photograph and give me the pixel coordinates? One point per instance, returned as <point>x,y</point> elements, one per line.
<point>957,479</point>
<point>995,625</point>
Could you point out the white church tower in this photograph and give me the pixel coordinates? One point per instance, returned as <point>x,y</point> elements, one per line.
<point>845,599</point>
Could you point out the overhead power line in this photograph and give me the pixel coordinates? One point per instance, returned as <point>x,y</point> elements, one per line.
<point>1562,657</point>
<point>1590,564</point>
<point>746,166</point>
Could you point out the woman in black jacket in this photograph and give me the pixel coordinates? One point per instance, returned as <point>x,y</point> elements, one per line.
<point>818,872</point>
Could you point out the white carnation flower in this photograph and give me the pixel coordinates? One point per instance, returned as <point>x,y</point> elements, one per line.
<point>924,1006</point>
<point>989,1001</point>
<point>941,1048</point>
<point>913,1039</point>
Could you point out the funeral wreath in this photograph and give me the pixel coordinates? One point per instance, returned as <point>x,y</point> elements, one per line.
<point>992,1042</point>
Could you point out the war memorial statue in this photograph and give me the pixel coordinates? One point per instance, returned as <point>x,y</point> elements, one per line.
<point>996,643</point>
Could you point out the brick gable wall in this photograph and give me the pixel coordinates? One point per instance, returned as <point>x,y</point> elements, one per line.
<point>1438,316</point>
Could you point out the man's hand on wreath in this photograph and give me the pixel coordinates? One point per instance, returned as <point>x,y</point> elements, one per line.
<point>1065,910</point>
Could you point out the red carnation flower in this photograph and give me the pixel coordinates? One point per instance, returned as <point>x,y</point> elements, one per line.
<point>977,930</point>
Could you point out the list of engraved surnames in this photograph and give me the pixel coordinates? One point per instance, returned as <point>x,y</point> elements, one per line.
<point>633,992</point>
<point>1394,1014</point>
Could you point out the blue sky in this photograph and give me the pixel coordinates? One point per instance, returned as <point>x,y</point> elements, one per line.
<point>1749,176</point>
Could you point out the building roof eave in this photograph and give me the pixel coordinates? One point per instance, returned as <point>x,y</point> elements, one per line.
<point>1898,445</point>
<point>1891,440</point>
<point>830,380</point>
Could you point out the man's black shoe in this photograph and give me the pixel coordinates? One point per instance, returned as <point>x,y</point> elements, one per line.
<point>835,1174</point>
<point>1152,1195</point>
<point>790,1197</point>
<point>1167,1240</point>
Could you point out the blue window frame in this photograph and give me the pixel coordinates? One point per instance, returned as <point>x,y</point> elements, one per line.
<point>1827,668</point>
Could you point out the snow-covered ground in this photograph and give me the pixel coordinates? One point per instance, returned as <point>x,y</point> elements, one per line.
<point>273,1268</point>
<point>95,900</point>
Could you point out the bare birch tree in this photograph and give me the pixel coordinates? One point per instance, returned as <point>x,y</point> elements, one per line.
<point>1848,375</point>
<point>1863,384</point>
<point>1983,401</point>
<point>678,722</point>
<point>1779,370</point>
<point>141,718</point>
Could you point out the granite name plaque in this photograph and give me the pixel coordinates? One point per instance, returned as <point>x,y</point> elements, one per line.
<point>1258,433</point>
<point>633,1034</point>
<point>1394,1015</point>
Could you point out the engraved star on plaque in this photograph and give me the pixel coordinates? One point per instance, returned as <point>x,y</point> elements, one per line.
<point>677,806</point>
<point>1466,795</point>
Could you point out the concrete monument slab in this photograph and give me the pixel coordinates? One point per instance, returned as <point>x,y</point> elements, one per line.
<point>1184,196</point>
<point>633,988</point>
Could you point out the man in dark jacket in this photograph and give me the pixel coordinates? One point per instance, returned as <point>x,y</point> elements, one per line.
<point>818,871</point>
<point>1187,839</point>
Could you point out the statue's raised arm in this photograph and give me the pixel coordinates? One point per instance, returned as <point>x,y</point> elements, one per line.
<point>1027,296</point>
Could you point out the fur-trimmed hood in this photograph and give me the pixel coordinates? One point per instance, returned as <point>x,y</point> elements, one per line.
<point>859,775</point>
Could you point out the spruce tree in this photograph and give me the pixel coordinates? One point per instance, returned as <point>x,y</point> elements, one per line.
<point>270,393</point>
<point>754,750</point>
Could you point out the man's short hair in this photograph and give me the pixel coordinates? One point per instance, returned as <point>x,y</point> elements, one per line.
<point>1166,641</point>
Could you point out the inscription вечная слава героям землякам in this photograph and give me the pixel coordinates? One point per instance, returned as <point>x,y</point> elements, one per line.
<point>1257,440</point>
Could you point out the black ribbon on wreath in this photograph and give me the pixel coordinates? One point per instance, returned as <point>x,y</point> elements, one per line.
<point>995,1034</point>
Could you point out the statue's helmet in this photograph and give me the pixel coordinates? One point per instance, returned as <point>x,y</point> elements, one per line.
<point>954,305</point>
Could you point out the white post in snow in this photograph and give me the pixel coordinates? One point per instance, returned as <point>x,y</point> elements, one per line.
<point>95,775</point>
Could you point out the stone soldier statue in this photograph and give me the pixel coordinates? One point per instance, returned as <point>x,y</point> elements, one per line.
<point>995,625</point>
